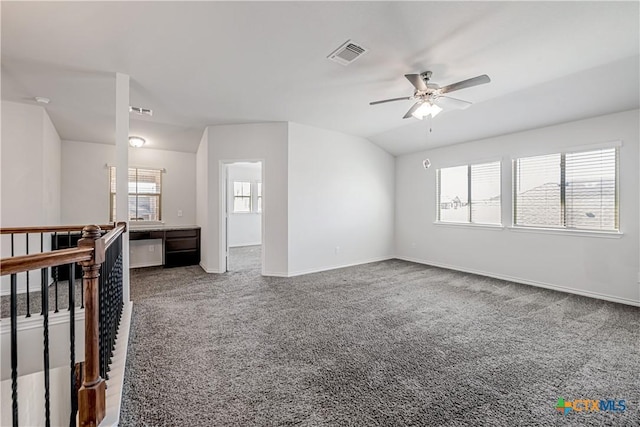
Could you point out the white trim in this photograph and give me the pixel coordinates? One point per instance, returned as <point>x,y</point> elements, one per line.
<point>570,149</point>
<point>535,283</point>
<point>335,267</point>
<point>469,225</point>
<point>36,319</point>
<point>155,168</point>
<point>115,382</point>
<point>275,274</point>
<point>482,161</point>
<point>210,271</point>
<point>568,232</point>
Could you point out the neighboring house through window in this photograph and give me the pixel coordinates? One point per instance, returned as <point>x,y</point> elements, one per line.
<point>469,194</point>
<point>573,190</point>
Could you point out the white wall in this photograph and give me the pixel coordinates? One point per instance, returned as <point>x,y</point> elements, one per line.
<point>30,166</point>
<point>595,266</point>
<point>266,142</point>
<point>245,228</point>
<point>85,182</point>
<point>341,198</point>
<point>30,176</point>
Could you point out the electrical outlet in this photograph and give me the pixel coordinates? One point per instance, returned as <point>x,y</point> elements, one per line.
<point>179,212</point>
<point>337,250</point>
<point>152,248</point>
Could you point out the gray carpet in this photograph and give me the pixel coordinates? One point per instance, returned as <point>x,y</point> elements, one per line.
<point>35,301</point>
<point>387,343</point>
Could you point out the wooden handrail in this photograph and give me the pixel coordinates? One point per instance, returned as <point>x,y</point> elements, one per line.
<point>19,264</point>
<point>112,235</point>
<point>53,228</point>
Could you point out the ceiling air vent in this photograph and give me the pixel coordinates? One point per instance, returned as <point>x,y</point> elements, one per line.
<point>347,53</point>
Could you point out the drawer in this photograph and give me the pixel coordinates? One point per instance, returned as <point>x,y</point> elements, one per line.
<point>145,235</point>
<point>172,245</point>
<point>182,233</point>
<point>182,258</point>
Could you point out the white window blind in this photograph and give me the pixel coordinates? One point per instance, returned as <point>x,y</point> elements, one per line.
<point>241,196</point>
<point>537,194</point>
<point>485,193</point>
<point>470,194</point>
<point>568,190</point>
<point>145,194</point>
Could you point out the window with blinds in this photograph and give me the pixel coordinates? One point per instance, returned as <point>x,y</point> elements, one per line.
<point>145,194</point>
<point>568,190</point>
<point>241,196</point>
<point>469,194</point>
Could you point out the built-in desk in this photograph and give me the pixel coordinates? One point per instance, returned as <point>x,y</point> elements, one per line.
<point>181,243</point>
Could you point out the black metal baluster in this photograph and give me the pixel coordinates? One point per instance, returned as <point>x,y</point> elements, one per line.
<point>54,270</point>
<point>45,312</point>
<point>14,346</point>
<point>81,285</point>
<point>101,320</point>
<point>55,283</point>
<point>72,344</point>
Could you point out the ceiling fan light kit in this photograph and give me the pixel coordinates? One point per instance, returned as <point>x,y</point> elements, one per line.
<point>431,99</point>
<point>426,109</point>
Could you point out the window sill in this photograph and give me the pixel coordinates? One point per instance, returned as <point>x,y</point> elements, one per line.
<point>568,232</point>
<point>469,225</point>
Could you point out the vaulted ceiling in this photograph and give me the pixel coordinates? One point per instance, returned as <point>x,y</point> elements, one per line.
<point>207,63</point>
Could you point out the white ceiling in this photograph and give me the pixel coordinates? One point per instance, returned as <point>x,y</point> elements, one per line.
<point>207,63</point>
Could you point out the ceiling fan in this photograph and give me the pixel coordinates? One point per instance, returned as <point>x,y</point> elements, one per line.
<point>431,99</point>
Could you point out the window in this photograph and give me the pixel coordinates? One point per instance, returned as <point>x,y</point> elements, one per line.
<point>145,194</point>
<point>567,190</point>
<point>470,194</point>
<point>259,185</point>
<point>241,196</point>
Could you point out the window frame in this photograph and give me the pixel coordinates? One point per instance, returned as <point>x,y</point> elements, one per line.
<point>112,194</point>
<point>250,197</point>
<point>614,145</point>
<point>469,222</point>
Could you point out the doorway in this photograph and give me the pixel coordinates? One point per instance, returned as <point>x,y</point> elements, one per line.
<point>243,216</point>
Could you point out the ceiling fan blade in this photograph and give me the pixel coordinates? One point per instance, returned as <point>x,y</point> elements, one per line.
<point>404,98</point>
<point>417,81</point>
<point>449,103</point>
<point>466,83</point>
<point>412,109</point>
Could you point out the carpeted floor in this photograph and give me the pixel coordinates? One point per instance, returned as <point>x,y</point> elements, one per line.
<point>387,343</point>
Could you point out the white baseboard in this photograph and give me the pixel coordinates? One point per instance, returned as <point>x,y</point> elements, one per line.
<point>210,271</point>
<point>275,274</point>
<point>560,288</point>
<point>335,267</point>
<point>116,375</point>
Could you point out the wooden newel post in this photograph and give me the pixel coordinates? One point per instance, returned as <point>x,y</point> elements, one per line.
<point>91,396</point>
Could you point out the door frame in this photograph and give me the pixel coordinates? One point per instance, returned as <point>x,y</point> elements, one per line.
<point>224,207</point>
